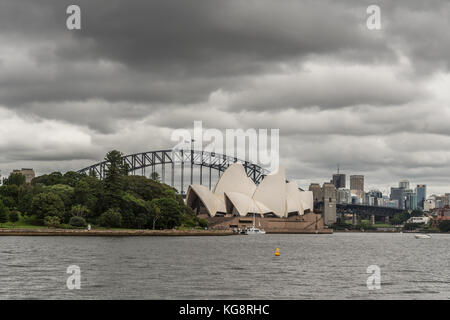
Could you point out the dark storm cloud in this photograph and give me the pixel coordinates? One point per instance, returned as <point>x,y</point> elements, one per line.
<point>207,37</point>
<point>158,43</point>
<point>177,52</point>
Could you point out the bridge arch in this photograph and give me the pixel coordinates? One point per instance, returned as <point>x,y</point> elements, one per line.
<point>138,163</point>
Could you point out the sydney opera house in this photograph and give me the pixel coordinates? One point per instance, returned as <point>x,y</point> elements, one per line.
<point>276,205</point>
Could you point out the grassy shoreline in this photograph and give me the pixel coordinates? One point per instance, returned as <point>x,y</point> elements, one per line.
<point>109,232</point>
<point>23,227</point>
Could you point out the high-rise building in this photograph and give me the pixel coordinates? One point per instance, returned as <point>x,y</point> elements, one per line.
<point>374,198</point>
<point>344,196</point>
<point>317,192</point>
<point>421,191</point>
<point>329,203</point>
<point>410,200</point>
<point>357,182</point>
<point>399,195</point>
<point>429,204</point>
<point>447,199</point>
<point>338,180</point>
<point>360,194</point>
<point>404,184</point>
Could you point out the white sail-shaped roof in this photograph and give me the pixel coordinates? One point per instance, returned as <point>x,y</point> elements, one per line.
<point>293,201</point>
<point>235,179</point>
<point>235,190</point>
<point>244,204</point>
<point>212,202</point>
<point>307,200</point>
<point>272,192</point>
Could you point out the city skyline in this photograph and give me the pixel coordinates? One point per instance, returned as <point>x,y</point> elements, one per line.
<point>385,191</point>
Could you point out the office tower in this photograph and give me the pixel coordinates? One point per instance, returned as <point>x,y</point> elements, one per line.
<point>374,198</point>
<point>404,184</point>
<point>317,192</point>
<point>329,203</point>
<point>410,200</point>
<point>398,194</point>
<point>357,182</point>
<point>421,191</point>
<point>338,180</point>
<point>344,196</point>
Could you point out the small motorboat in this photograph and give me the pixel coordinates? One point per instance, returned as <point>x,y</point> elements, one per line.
<point>422,236</point>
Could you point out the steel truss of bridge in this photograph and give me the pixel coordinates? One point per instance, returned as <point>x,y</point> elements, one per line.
<point>365,210</point>
<point>138,163</point>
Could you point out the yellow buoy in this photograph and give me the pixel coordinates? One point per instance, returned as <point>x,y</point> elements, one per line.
<point>277,252</point>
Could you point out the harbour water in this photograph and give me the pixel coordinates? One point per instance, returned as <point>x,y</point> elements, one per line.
<point>232,267</point>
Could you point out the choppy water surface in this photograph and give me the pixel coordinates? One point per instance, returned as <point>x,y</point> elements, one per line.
<point>233,267</point>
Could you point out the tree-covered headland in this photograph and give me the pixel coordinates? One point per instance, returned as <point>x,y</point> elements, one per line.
<point>74,200</point>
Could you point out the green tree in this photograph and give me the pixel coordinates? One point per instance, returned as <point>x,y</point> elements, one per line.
<point>413,226</point>
<point>45,205</point>
<point>141,220</point>
<point>170,213</point>
<point>71,178</point>
<point>131,206</point>
<point>77,221</point>
<point>25,196</point>
<point>203,223</point>
<point>148,189</point>
<point>129,219</point>
<point>93,174</point>
<point>8,201</point>
<point>66,194</point>
<point>400,218</point>
<point>10,195</point>
<point>111,219</point>
<point>156,215</point>
<point>14,216</point>
<point>17,179</point>
<point>115,170</point>
<point>52,221</point>
<point>79,211</point>
<point>49,179</point>
<point>444,226</point>
<point>154,176</point>
<point>88,191</point>
<point>3,213</point>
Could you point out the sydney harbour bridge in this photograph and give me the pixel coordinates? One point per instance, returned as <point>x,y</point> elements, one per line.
<point>178,166</point>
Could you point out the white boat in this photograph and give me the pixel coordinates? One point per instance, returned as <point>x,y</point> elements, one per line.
<point>422,236</point>
<point>253,229</point>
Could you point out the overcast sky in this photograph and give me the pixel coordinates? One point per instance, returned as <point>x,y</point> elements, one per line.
<point>375,101</point>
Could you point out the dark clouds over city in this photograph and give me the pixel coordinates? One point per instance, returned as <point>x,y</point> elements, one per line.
<point>377,102</point>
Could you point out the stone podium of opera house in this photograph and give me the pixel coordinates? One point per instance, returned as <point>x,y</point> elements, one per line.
<point>278,206</point>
